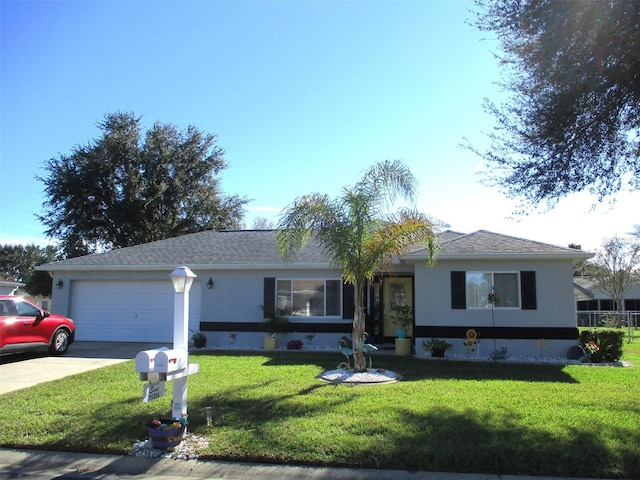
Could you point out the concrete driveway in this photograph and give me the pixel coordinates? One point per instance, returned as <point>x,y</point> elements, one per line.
<point>24,370</point>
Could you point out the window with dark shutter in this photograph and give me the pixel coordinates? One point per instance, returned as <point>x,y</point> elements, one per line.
<point>348,301</point>
<point>528,290</point>
<point>458,291</point>
<point>269,302</point>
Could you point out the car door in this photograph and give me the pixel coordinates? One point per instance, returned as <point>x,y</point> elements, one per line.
<point>31,321</point>
<point>10,323</point>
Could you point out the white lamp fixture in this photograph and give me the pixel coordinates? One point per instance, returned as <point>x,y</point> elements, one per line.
<point>182,278</point>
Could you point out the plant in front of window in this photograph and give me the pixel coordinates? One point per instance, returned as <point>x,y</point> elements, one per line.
<point>294,345</point>
<point>274,323</point>
<point>436,346</point>
<point>199,339</point>
<point>402,318</point>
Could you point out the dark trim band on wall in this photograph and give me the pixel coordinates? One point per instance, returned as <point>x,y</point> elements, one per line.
<point>346,327</point>
<point>506,333</point>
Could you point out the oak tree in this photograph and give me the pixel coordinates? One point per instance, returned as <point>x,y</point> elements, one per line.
<point>130,187</point>
<point>571,121</point>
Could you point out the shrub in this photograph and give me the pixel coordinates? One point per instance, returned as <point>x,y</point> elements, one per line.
<point>294,345</point>
<point>609,343</point>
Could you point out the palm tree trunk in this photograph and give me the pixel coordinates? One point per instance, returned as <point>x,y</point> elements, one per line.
<point>359,360</point>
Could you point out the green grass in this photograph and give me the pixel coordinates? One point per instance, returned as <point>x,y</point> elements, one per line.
<point>501,418</point>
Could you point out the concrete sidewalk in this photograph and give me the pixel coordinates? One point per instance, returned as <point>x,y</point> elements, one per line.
<point>20,464</point>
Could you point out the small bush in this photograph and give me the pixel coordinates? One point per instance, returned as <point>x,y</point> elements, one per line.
<point>294,345</point>
<point>609,343</point>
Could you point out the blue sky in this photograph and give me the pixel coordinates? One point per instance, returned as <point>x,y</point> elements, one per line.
<point>303,96</point>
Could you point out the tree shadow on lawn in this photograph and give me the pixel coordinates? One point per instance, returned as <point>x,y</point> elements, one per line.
<point>440,439</point>
<point>447,440</point>
<point>414,369</point>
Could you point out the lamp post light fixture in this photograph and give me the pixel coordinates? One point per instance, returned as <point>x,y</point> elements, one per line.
<point>182,279</point>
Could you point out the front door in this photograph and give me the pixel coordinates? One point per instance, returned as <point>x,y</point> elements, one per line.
<point>396,292</point>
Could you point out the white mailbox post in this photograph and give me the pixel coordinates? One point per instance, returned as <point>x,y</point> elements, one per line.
<point>163,364</point>
<point>182,279</point>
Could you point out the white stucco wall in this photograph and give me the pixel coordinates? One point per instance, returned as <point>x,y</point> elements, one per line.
<point>554,294</point>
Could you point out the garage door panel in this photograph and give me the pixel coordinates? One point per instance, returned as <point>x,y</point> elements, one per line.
<point>129,311</point>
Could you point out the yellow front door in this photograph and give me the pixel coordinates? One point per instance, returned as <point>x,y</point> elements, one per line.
<point>397,292</point>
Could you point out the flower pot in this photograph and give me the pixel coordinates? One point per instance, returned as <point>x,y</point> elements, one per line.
<point>165,435</point>
<point>403,346</point>
<point>269,343</point>
<point>437,352</point>
<point>401,332</point>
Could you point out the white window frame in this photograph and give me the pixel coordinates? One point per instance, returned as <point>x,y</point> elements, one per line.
<point>288,309</point>
<point>487,303</point>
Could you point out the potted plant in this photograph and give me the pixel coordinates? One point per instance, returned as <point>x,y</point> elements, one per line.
<point>403,318</point>
<point>199,339</point>
<point>294,345</point>
<point>165,433</point>
<point>275,322</point>
<point>436,346</point>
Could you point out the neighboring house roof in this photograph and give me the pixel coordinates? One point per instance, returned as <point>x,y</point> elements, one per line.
<point>9,287</point>
<point>489,245</point>
<point>583,288</point>
<point>249,249</point>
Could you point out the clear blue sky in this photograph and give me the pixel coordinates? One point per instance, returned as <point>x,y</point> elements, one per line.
<point>303,97</point>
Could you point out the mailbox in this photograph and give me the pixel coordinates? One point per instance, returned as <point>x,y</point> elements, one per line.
<point>169,361</point>
<point>145,360</point>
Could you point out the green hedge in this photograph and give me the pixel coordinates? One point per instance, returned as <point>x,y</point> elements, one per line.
<point>609,342</point>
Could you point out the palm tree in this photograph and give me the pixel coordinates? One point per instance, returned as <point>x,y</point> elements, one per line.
<point>357,234</point>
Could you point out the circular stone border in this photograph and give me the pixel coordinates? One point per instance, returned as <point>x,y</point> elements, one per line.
<point>376,376</point>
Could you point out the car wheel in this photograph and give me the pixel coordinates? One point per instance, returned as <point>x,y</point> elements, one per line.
<point>60,342</point>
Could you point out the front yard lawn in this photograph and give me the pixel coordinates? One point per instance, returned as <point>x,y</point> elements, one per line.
<point>501,418</point>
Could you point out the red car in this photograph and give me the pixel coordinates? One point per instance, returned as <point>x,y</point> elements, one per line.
<point>25,326</point>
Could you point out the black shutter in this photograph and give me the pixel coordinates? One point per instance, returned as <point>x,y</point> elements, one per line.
<point>348,301</point>
<point>269,296</point>
<point>458,291</point>
<point>528,290</point>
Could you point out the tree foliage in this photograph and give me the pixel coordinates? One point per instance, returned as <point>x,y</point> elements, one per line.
<point>17,263</point>
<point>129,187</point>
<point>356,232</point>
<point>615,268</point>
<point>572,120</point>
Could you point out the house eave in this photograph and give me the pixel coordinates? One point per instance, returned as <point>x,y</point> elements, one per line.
<point>501,256</point>
<point>170,267</point>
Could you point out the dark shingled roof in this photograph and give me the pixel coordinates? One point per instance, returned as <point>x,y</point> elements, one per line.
<point>232,248</point>
<point>257,248</point>
<point>484,244</point>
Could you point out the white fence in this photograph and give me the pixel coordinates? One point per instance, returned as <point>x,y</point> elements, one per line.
<point>607,318</point>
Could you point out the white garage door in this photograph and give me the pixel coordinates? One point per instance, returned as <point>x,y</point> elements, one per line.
<point>128,311</point>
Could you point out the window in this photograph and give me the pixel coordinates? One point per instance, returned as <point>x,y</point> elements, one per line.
<point>632,305</point>
<point>309,298</point>
<point>512,290</point>
<point>26,309</point>
<point>480,286</point>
